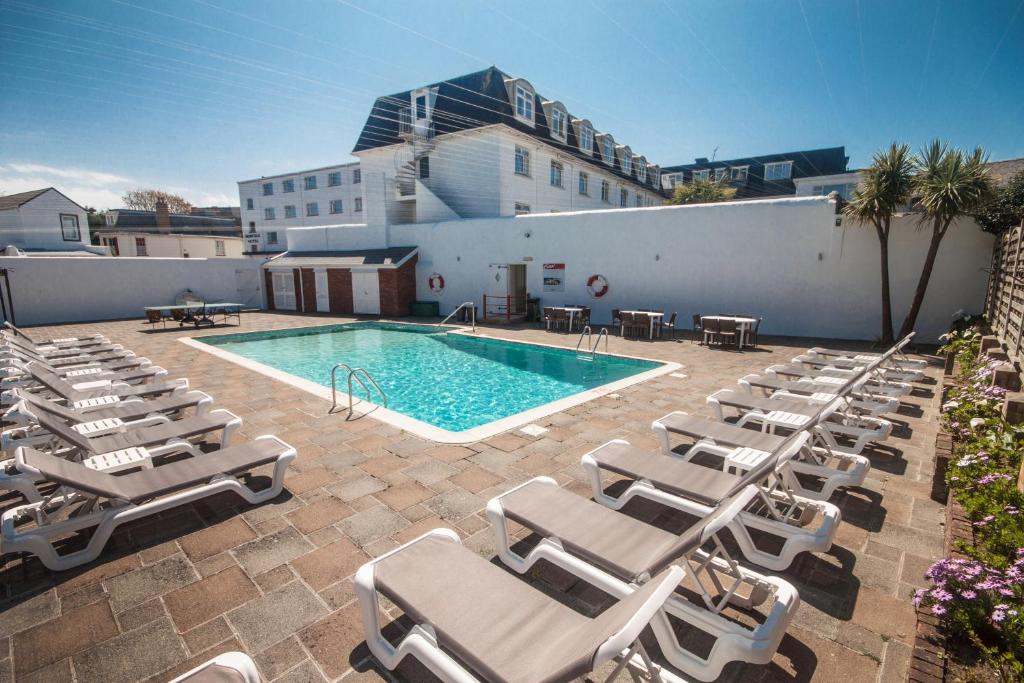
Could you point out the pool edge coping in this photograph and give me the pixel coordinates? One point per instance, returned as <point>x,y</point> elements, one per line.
<point>364,408</point>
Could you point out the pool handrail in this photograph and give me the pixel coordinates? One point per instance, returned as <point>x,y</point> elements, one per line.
<point>353,373</point>
<point>472,313</point>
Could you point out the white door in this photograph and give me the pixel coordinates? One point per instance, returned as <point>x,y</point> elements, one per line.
<point>323,297</point>
<point>365,292</point>
<point>284,291</point>
<point>248,283</point>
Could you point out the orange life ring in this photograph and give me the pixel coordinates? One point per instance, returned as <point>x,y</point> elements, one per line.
<point>436,283</point>
<point>597,285</point>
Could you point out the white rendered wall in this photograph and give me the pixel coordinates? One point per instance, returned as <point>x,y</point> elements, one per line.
<point>36,224</point>
<point>107,288</point>
<point>781,259</point>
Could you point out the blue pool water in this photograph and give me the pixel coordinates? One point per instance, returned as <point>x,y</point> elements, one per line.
<point>451,381</point>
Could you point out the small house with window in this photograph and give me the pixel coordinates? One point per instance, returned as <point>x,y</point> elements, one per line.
<point>44,221</point>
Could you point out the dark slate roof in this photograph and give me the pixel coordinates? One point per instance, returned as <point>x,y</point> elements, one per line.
<point>145,221</point>
<point>473,101</point>
<point>392,256</point>
<point>813,162</point>
<point>13,201</point>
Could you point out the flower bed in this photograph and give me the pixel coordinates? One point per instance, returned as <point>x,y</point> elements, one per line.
<point>978,595</point>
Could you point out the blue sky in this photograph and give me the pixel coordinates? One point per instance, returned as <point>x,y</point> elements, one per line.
<point>99,96</point>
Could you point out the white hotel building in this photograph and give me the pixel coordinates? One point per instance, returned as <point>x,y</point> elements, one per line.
<point>331,195</point>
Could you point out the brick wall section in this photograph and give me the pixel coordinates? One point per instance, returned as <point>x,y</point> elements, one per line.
<point>398,289</point>
<point>268,280</point>
<point>309,290</point>
<point>298,290</point>
<point>339,284</point>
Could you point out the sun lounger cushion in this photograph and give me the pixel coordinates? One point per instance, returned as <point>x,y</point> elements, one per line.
<point>722,433</point>
<point>496,624</point>
<point>143,436</point>
<point>128,410</point>
<point>745,401</point>
<point>141,485</point>
<point>65,389</point>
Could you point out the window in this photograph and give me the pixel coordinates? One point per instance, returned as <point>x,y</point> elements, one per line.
<point>218,248</point>
<point>140,246</point>
<point>609,151</point>
<point>556,174</point>
<point>720,173</point>
<point>558,123</point>
<point>522,160</point>
<point>606,189</point>
<point>359,203</point>
<point>310,182</point>
<point>627,162</point>
<point>268,214</point>
<point>656,177</point>
<point>421,107</point>
<point>639,199</point>
<point>522,209</point>
<point>249,204</point>
<point>779,170</point>
<point>701,176</point>
<point>674,179</point>
<point>524,103</point>
<point>334,179</point>
<point>112,243</point>
<point>288,185</point>
<point>272,237</point>
<point>289,211</point>
<point>357,177</point>
<point>738,172</point>
<point>641,172</point>
<point>312,209</point>
<point>584,183</point>
<point>623,198</point>
<point>586,139</point>
<point>425,167</point>
<point>845,190</point>
<point>268,189</point>
<point>252,226</point>
<point>69,228</point>
<point>336,206</point>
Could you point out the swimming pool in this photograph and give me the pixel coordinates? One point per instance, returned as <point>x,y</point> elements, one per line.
<point>456,386</point>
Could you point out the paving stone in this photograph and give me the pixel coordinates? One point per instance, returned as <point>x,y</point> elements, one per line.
<point>136,616</point>
<point>357,488</point>
<point>270,551</point>
<point>275,578</point>
<point>206,636</point>
<point>217,563</point>
<point>58,672</point>
<point>20,614</point>
<point>369,525</point>
<point>148,582</point>
<point>495,460</point>
<point>319,514</point>
<point>307,672</point>
<point>69,633</point>
<point>276,615</point>
<point>402,496</point>
<point>475,479</point>
<point>279,658</point>
<point>101,570</point>
<point>507,442</point>
<point>332,639</point>
<point>329,564</point>
<point>203,600</point>
<point>308,481</point>
<point>177,670</point>
<point>449,453</point>
<point>224,536</point>
<point>428,473</point>
<point>455,504</point>
<point>132,656</point>
<point>85,596</point>
<point>885,615</point>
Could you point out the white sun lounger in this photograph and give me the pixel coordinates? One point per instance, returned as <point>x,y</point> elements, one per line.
<point>868,383</point>
<point>16,374</point>
<point>476,622</point>
<point>230,667</point>
<point>90,499</point>
<point>697,490</point>
<point>849,364</point>
<point>895,356</point>
<point>10,329</point>
<point>76,394</point>
<point>617,553</point>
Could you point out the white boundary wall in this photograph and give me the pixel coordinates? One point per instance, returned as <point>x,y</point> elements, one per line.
<point>782,259</point>
<point>56,289</point>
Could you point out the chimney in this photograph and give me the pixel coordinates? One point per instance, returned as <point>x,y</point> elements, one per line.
<point>163,216</point>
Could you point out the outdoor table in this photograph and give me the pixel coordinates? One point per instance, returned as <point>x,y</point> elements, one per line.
<point>743,325</point>
<point>571,310</point>
<point>654,317</point>
<point>195,311</point>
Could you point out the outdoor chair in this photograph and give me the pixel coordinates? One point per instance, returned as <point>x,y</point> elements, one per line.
<point>117,390</point>
<point>752,332</point>
<point>727,332</point>
<point>698,328</point>
<point>156,317</point>
<point>616,553</point>
<point>178,316</point>
<point>100,501</point>
<point>16,374</point>
<point>473,621</point>
<point>60,341</point>
<point>670,325</point>
<point>711,327</point>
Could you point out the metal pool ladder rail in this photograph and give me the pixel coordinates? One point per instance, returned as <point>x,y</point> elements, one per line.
<point>472,313</point>
<point>359,375</point>
<point>591,347</point>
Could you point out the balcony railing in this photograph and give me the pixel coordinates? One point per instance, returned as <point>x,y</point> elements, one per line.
<point>409,127</point>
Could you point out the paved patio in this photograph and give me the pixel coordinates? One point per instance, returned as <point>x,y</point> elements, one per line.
<point>275,580</point>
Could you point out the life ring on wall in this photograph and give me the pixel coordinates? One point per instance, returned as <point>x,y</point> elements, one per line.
<point>597,286</point>
<point>436,283</point>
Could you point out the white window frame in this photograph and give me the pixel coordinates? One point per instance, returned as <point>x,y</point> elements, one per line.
<point>289,211</point>
<point>340,206</point>
<point>332,177</point>
<point>608,151</point>
<point>703,175</point>
<point>606,192</point>
<point>249,204</point>
<point>627,162</point>
<point>739,173</point>
<point>314,207</point>
<point>218,248</point>
<point>272,237</point>
<point>583,183</point>
<point>623,197</point>
<point>309,182</point>
<point>524,103</point>
<point>268,189</point>
<point>268,213</point>
<point>639,200</point>
<point>357,176</point>
<point>721,173</point>
<point>641,172</point>
<point>523,156</point>
<point>522,209</point>
<point>141,242</point>
<point>586,139</point>
<point>560,168</point>
<point>359,204</point>
<point>70,221</point>
<point>772,166</point>
<point>288,185</point>
<point>558,120</point>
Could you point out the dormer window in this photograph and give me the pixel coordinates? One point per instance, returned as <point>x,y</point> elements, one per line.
<point>739,173</point>
<point>524,103</point>
<point>627,162</point>
<point>640,165</point>
<point>558,123</point>
<point>701,176</point>
<point>655,173</point>
<point>609,150</point>
<point>586,138</point>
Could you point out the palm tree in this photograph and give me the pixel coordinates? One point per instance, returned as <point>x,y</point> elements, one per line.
<point>884,187</point>
<point>949,183</point>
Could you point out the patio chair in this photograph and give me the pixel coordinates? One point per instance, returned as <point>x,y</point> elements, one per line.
<point>895,354</point>
<point>56,352</point>
<point>615,553</point>
<point>15,373</point>
<point>698,328</point>
<point>711,327</point>
<point>584,316</point>
<point>802,524</point>
<point>18,358</point>
<point>156,317</point>
<point>752,332</point>
<point>94,500</point>
<point>670,325</point>
<point>616,320</point>
<point>872,383</point>
<point>15,348</point>
<point>178,315</point>
<point>57,341</point>
<point>627,323</point>
<point>127,411</point>
<point>101,390</point>
<point>474,621</point>
<point>727,332</point>
<point>230,667</point>
<point>890,374</point>
<point>830,468</point>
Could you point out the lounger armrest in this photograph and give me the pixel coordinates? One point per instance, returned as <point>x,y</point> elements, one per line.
<point>628,634</point>
<point>237,662</point>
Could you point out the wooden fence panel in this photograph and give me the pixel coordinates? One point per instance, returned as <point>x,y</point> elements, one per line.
<point>1004,301</point>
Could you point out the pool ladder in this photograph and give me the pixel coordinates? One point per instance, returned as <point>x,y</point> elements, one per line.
<point>472,313</point>
<point>360,375</point>
<point>591,345</point>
